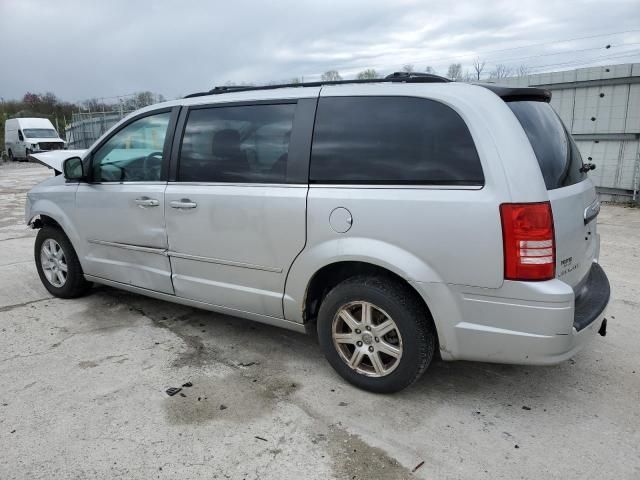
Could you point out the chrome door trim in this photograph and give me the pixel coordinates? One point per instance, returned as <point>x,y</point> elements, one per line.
<point>126,182</point>
<point>127,246</point>
<point>220,261</point>
<point>390,186</point>
<point>240,184</point>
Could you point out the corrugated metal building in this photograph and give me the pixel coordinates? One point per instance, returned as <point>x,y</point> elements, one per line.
<point>601,107</point>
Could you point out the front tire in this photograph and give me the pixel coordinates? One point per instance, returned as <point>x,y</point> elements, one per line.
<point>58,265</point>
<point>376,333</point>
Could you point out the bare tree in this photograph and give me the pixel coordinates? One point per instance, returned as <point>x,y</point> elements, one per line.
<point>455,72</point>
<point>330,76</point>
<point>523,71</point>
<point>408,68</point>
<point>501,71</point>
<point>468,77</point>
<point>429,69</point>
<point>478,66</point>
<point>367,74</point>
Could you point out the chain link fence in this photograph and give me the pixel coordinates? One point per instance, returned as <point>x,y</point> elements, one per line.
<point>86,127</point>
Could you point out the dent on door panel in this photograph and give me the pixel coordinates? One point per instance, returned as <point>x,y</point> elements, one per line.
<point>125,242</point>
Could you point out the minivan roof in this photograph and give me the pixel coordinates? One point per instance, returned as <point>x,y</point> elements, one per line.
<point>508,94</point>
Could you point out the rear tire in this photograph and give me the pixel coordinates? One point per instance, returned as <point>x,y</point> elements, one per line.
<point>58,265</point>
<point>376,333</point>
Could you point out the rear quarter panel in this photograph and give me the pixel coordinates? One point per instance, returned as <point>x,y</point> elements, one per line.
<point>427,234</point>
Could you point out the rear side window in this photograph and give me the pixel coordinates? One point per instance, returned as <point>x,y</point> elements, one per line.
<point>392,140</point>
<point>558,156</point>
<point>244,144</point>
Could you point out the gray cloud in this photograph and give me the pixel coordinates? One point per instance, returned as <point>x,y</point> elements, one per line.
<point>81,49</point>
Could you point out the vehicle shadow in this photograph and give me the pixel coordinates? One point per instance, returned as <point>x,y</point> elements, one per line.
<point>236,341</point>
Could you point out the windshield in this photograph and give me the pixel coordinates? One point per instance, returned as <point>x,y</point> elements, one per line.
<point>558,156</point>
<point>40,133</point>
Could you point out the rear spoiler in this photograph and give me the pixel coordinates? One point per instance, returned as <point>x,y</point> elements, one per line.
<point>518,94</point>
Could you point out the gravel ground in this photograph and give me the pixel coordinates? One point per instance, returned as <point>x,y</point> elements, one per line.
<point>83,390</point>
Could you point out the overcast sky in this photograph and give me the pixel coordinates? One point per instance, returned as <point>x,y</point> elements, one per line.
<point>80,49</point>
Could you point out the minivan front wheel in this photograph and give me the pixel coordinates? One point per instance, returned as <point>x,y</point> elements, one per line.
<point>375,333</point>
<point>58,265</point>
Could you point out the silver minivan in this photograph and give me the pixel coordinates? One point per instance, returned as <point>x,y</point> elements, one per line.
<point>398,218</point>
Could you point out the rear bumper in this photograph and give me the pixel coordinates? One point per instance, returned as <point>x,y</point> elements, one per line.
<point>507,346</point>
<point>536,323</point>
<point>592,298</point>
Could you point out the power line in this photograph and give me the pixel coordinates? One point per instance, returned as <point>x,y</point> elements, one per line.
<point>586,61</point>
<point>480,54</point>
<point>550,42</point>
<point>565,52</point>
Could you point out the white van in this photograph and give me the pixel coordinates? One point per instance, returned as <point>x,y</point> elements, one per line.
<point>24,136</point>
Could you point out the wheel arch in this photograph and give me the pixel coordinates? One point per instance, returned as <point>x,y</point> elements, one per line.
<point>331,274</point>
<point>376,253</point>
<point>45,212</point>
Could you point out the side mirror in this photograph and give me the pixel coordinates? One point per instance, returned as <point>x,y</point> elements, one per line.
<point>73,169</point>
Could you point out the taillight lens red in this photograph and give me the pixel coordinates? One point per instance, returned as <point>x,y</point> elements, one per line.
<point>529,241</point>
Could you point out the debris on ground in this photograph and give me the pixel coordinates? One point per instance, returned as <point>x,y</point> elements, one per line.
<point>182,394</point>
<point>524,407</point>
<point>417,467</point>
<point>188,384</point>
<point>247,364</point>
<point>260,438</point>
<point>516,446</point>
<point>223,407</point>
<point>172,391</point>
<point>343,404</point>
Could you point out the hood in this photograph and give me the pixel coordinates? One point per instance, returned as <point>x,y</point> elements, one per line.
<point>55,158</point>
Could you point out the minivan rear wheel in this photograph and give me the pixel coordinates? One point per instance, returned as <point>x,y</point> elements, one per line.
<point>58,265</point>
<point>375,333</point>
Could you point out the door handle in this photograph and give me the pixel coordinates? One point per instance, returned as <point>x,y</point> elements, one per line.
<point>147,202</point>
<point>183,203</point>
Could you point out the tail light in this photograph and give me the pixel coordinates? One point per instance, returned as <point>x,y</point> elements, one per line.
<point>529,241</point>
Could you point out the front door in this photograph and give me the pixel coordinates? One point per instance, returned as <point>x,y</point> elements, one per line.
<point>121,209</point>
<point>236,210</point>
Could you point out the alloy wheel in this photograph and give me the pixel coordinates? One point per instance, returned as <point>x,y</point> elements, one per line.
<point>54,263</point>
<point>367,339</point>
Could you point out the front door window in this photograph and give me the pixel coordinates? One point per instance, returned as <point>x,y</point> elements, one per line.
<point>134,154</point>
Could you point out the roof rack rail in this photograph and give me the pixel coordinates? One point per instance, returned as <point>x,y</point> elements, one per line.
<point>396,77</point>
